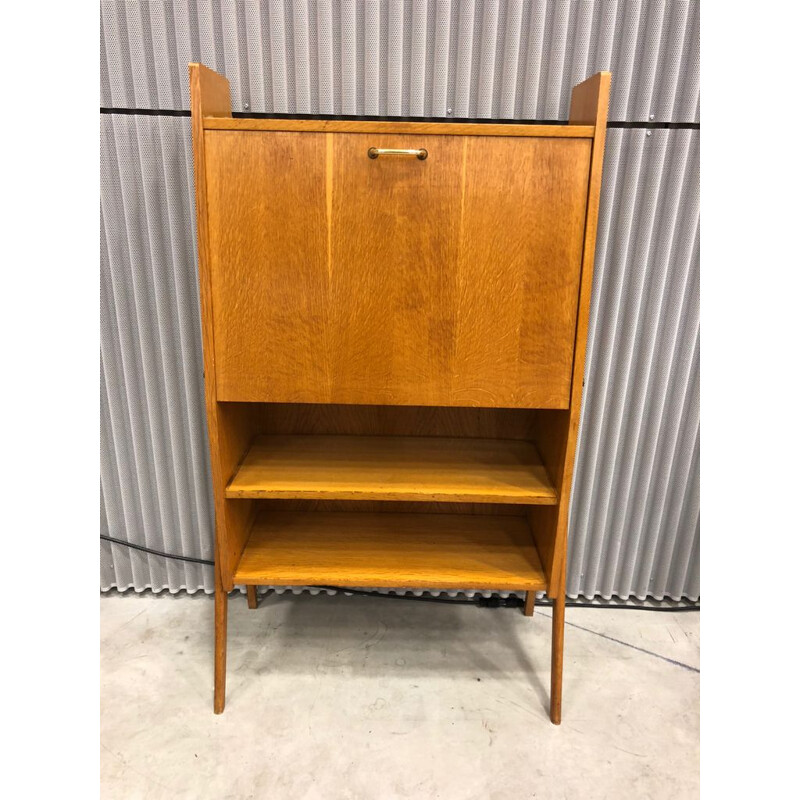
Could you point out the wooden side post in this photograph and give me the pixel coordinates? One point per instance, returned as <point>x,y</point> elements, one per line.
<point>210,96</point>
<point>589,106</point>
<point>220,645</point>
<point>252,597</point>
<point>557,654</point>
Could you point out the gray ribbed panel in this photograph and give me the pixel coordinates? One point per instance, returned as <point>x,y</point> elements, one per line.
<point>635,506</point>
<point>479,58</point>
<point>155,475</point>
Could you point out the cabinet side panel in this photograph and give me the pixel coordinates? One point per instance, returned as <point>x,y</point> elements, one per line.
<point>210,96</point>
<point>590,101</point>
<point>551,435</point>
<point>235,431</point>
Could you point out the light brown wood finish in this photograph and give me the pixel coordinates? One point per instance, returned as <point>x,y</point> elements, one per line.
<point>349,420</point>
<point>392,468</point>
<point>394,226</point>
<point>473,304</point>
<point>234,433</point>
<point>432,286</point>
<point>557,654</point>
<point>551,433</point>
<point>544,525</point>
<point>371,420</point>
<point>229,430</point>
<point>269,263</point>
<point>590,101</point>
<point>518,271</point>
<point>252,597</point>
<point>415,128</point>
<point>391,550</point>
<point>530,602</point>
<point>210,96</point>
<point>220,644</point>
<point>397,507</point>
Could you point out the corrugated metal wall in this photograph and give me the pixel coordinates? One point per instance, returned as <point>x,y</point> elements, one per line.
<point>635,506</point>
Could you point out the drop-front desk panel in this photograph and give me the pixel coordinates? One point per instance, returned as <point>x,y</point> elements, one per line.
<point>340,278</point>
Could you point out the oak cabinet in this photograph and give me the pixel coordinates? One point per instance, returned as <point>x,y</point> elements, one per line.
<point>394,319</point>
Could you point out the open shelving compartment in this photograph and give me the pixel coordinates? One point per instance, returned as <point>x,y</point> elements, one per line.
<point>390,550</point>
<point>392,497</point>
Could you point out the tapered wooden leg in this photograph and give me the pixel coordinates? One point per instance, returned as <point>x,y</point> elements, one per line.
<point>220,646</point>
<point>530,602</point>
<point>557,658</point>
<point>252,597</point>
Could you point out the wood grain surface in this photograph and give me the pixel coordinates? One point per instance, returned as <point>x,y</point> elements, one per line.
<point>392,468</point>
<point>590,101</point>
<point>220,642</point>
<point>391,550</point>
<point>399,126</point>
<point>451,281</point>
<point>228,429</point>
<point>404,338</point>
<point>398,507</point>
<point>269,263</point>
<point>371,420</point>
<point>530,604</point>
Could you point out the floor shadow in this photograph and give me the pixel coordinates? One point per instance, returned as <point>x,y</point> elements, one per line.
<point>373,637</point>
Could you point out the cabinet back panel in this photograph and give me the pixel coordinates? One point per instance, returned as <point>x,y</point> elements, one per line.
<point>451,281</point>
<point>384,507</point>
<point>289,419</point>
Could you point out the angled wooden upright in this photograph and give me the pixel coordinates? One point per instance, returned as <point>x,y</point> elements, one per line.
<point>394,332</point>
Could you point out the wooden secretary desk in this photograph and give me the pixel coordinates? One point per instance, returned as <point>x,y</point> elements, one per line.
<point>394,325</point>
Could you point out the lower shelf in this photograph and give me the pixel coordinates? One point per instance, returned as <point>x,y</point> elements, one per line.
<point>446,551</point>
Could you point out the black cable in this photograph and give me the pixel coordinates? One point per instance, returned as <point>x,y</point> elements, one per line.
<point>486,602</point>
<point>147,112</point>
<point>156,552</point>
<point>626,607</point>
<point>495,601</point>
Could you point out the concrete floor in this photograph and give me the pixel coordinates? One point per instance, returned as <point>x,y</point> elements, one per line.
<point>350,697</point>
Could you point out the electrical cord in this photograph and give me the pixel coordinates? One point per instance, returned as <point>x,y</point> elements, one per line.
<point>485,602</point>
<point>495,601</point>
<point>625,607</point>
<point>156,552</point>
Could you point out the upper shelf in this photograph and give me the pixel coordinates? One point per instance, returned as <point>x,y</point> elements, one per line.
<point>393,468</point>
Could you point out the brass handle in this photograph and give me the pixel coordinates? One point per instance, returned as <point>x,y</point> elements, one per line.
<point>374,152</point>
